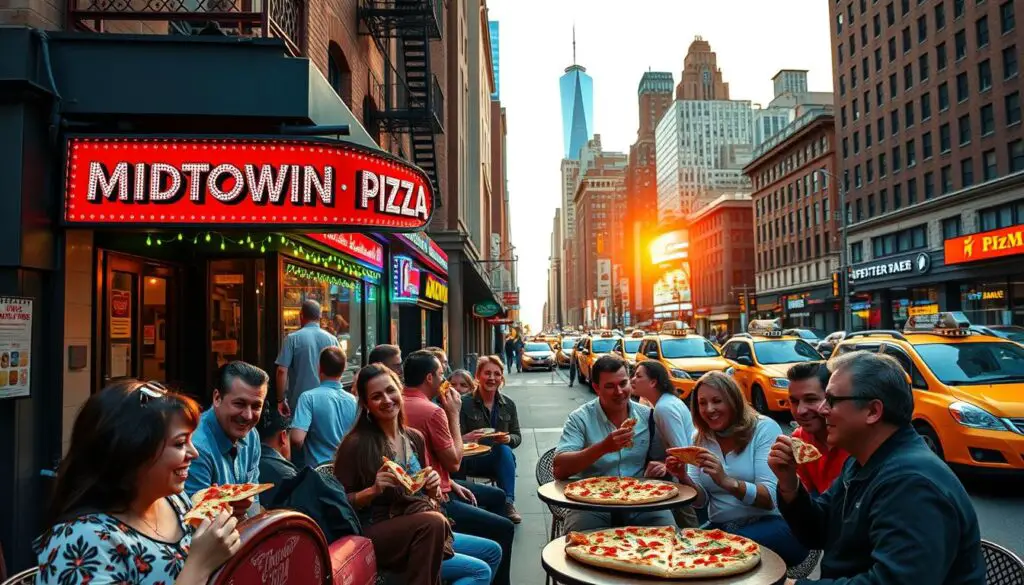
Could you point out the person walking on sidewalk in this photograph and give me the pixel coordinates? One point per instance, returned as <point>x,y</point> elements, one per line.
<point>510,351</point>
<point>298,364</point>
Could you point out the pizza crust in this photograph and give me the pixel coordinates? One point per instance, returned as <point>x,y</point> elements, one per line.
<point>687,455</point>
<point>804,452</point>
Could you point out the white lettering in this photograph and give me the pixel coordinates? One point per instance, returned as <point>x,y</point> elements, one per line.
<point>194,172</point>
<point>98,179</point>
<point>265,184</point>
<point>156,181</point>
<point>391,206</point>
<point>273,564</point>
<point>140,181</point>
<point>214,182</point>
<point>324,189</point>
<point>295,184</point>
<point>369,188</point>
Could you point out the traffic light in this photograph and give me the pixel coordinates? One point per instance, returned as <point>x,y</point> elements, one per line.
<point>851,286</point>
<point>743,302</point>
<point>835,284</point>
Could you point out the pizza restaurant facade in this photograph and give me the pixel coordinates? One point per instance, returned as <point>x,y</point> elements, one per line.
<point>173,242</point>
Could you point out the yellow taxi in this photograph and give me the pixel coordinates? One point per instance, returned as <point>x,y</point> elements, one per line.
<point>759,360</point>
<point>564,351</point>
<point>685,354</point>
<point>593,346</point>
<point>630,347</point>
<point>968,388</point>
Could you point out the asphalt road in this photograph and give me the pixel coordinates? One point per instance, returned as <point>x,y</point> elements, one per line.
<point>544,400</point>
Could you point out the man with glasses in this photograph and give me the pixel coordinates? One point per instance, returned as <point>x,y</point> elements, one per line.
<point>897,514</point>
<point>807,383</point>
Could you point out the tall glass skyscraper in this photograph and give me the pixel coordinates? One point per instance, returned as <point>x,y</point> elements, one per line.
<point>492,25</point>
<point>577,90</point>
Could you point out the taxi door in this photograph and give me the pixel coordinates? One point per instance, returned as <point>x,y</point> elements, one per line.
<point>741,358</point>
<point>583,360</point>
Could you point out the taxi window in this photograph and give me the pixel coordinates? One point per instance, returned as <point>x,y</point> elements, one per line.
<point>632,345</point>
<point>736,349</point>
<point>917,381</point>
<point>959,364</point>
<point>784,351</point>
<point>568,343</point>
<point>689,347</point>
<point>605,345</point>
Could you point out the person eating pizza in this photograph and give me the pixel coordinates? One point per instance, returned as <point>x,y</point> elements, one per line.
<point>595,442</point>
<point>729,467</point>
<point>807,383</point>
<point>898,514</point>
<point>117,514</point>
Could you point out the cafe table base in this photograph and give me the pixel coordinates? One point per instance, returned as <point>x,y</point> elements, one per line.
<point>568,571</point>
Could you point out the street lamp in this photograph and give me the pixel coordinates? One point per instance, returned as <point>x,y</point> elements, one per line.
<point>846,323</point>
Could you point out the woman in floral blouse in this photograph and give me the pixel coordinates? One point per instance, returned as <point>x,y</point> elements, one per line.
<point>117,515</point>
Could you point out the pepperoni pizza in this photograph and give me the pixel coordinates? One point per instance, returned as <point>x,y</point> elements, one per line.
<point>620,490</point>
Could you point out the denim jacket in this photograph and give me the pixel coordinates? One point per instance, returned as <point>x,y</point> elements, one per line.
<point>474,415</point>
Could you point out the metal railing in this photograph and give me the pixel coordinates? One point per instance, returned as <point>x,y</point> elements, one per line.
<point>283,19</point>
<point>388,17</point>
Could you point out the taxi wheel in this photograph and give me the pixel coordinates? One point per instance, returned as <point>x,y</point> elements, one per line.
<point>931,438</point>
<point>758,400</point>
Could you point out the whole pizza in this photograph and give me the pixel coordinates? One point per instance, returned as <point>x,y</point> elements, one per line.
<point>665,551</point>
<point>620,490</point>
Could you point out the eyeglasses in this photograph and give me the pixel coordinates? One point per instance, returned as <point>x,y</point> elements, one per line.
<point>831,400</point>
<point>150,390</point>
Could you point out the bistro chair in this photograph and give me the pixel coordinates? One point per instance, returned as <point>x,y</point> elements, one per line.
<point>806,566</point>
<point>545,473</point>
<point>325,469</point>
<point>26,577</point>
<point>1002,566</point>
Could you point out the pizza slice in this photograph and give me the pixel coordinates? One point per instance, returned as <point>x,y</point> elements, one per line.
<point>211,501</point>
<point>403,477</point>
<point>445,387</point>
<point>804,452</point>
<point>629,423</point>
<point>687,455</point>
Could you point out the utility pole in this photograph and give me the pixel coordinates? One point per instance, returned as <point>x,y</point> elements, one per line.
<point>845,323</point>
<point>744,290</point>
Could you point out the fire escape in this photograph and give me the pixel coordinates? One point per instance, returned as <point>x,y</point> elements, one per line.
<point>410,99</point>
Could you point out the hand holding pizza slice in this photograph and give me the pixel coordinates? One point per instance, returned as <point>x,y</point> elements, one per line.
<point>629,424</point>
<point>687,455</point>
<point>804,452</point>
<point>210,502</point>
<point>411,483</point>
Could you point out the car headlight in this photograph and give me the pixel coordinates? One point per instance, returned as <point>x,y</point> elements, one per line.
<point>729,371</point>
<point>780,382</point>
<point>680,374</point>
<point>976,418</point>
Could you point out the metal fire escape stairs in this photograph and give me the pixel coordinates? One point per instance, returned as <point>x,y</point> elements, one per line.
<point>410,99</point>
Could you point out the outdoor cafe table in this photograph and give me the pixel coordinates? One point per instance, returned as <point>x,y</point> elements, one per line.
<point>567,571</point>
<point>553,493</point>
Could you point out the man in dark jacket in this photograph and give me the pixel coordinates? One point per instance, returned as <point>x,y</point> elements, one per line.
<point>896,514</point>
<point>275,451</point>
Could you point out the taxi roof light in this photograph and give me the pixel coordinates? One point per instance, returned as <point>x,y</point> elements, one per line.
<point>637,334</point>
<point>765,327</point>
<point>949,324</point>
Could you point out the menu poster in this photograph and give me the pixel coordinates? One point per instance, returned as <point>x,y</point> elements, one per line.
<point>120,314</point>
<point>15,345</point>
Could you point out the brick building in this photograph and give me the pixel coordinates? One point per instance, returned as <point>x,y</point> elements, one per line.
<point>931,145</point>
<point>795,230</point>
<point>722,262</point>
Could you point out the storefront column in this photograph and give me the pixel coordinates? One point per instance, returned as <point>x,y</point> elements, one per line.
<point>457,310</point>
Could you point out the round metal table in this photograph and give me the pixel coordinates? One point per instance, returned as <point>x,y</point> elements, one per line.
<point>568,571</point>
<point>553,493</point>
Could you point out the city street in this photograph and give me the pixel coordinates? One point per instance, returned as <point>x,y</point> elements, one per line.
<point>544,401</point>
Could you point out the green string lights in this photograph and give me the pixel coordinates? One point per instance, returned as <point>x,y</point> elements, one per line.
<point>263,241</point>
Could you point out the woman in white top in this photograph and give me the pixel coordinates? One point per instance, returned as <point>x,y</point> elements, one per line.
<point>732,477</point>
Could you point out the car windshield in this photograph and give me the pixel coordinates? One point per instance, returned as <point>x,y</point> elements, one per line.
<point>568,343</point>
<point>959,364</point>
<point>604,345</point>
<point>1012,333</point>
<point>538,347</point>
<point>784,351</point>
<point>690,347</point>
<point>807,334</point>
<point>632,345</point>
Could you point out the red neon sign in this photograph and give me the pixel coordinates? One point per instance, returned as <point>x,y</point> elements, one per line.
<point>278,182</point>
<point>357,246</point>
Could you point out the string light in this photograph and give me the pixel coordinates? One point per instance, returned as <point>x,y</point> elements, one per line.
<point>329,261</point>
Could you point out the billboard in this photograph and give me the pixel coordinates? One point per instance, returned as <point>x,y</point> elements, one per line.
<point>604,278</point>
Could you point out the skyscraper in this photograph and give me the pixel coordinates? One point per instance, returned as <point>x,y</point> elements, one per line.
<point>577,90</point>
<point>493,26</point>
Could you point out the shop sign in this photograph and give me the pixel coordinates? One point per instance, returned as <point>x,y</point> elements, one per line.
<point>985,245</point>
<point>486,309</point>
<point>604,278</point>
<point>500,321</point>
<point>279,182</point>
<point>988,295</point>
<point>510,298</point>
<point>923,310</point>
<point>795,303</point>
<point>120,314</point>
<point>907,266</point>
<point>15,345</point>
<point>428,247</point>
<point>434,289</point>
<point>405,279</point>
<point>362,248</point>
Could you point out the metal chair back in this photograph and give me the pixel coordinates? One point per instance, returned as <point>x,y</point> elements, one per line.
<point>26,577</point>
<point>325,469</point>
<point>1002,566</point>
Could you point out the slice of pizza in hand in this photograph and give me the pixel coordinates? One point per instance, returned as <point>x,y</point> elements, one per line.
<point>687,455</point>
<point>211,501</point>
<point>804,452</point>
<point>419,479</point>
<point>629,423</point>
<point>445,387</point>
<point>399,473</point>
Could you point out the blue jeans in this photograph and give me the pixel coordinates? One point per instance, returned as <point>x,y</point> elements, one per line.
<point>499,464</point>
<point>485,520</point>
<point>476,560</point>
<point>774,533</point>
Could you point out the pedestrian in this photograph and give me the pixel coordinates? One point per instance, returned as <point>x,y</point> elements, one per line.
<point>389,355</point>
<point>898,513</point>
<point>807,383</point>
<point>519,345</point>
<point>573,365</point>
<point>119,499</point>
<point>324,414</point>
<point>732,477</point>
<point>510,351</point>
<point>298,362</point>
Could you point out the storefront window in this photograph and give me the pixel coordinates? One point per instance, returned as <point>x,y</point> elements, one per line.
<point>340,301</point>
<point>910,302</point>
<point>372,316</point>
<point>226,310</point>
<point>986,303</point>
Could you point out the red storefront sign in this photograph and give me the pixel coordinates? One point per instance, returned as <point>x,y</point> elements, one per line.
<point>985,245</point>
<point>278,182</point>
<point>510,298</point>
<point>358,246</point>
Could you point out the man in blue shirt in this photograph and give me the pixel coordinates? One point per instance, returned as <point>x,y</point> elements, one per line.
<point>324,414</point>
<point>298,362</point>
<point>226,438</point>
<point>593,444</point>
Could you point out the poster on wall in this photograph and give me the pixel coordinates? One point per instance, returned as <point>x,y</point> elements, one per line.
<point>120,314</point>
<point>604,278</point>
<point>15,346</point>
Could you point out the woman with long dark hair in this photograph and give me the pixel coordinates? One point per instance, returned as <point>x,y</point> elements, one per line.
<point>732,477</point>
<point>118,508</point>
<point>672,418</point>
<point>409,534</point>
